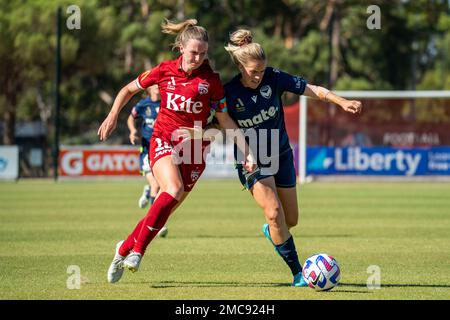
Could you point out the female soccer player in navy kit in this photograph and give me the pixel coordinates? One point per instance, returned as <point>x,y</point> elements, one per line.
<point>254,102</point>
<point>189,90</point>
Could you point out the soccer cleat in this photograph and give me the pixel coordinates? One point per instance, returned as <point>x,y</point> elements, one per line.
<point>299,281</point>
<point>265,230</point>
<point>163,232</point>
<point>132,261</point>
<point>115,270</point>
<point>143,200</point>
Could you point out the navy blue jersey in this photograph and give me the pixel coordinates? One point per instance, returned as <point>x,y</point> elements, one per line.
<point>261,108</point>
<point>147,110</point>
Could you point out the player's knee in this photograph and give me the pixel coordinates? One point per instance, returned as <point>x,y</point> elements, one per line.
<point>274,216</point>
<point>176,190</point>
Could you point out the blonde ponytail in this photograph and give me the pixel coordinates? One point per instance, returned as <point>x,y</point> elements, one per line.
<point>242,49</point>
<point>185,31</point>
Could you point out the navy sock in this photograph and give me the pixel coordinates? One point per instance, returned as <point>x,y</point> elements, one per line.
<point>151,199</point>
<point>289,254</point>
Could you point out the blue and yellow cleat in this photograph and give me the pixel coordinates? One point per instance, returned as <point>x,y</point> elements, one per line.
<point>299,281</point>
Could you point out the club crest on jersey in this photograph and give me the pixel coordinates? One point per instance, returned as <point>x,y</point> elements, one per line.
<point>203,87</point>
<point>148,112</point>
<point>195,175</point>
<point>266,91</point>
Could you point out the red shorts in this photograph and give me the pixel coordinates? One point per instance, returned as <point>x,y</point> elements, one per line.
<point>190,157</point>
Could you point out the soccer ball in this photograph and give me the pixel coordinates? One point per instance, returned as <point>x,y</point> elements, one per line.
<point>321,272</point>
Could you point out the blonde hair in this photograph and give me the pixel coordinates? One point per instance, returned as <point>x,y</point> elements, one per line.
<point>242,49</point>
<point>185,31</point>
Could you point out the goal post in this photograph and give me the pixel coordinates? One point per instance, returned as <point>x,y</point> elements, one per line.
<point>378,95</point>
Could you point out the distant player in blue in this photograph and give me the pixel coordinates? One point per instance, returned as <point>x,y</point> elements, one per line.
<point>254,103</point>
<point>146,110</point>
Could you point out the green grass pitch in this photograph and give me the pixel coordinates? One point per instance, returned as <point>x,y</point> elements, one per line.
<point>215,248</point>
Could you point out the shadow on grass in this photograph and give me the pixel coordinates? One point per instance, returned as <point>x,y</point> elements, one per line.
<point>248,236</point>
<point>341,288</point>
<point>217,284</point>
<point>397,285</point>
<point>210,284</point>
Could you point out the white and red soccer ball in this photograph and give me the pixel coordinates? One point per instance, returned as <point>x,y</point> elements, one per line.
<point>321,272</point>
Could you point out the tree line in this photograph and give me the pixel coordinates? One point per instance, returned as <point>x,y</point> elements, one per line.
<point>330,43</point>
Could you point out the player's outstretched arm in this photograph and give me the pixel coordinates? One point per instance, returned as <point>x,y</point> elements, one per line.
<point>326,95</point>
<point>109,124</point>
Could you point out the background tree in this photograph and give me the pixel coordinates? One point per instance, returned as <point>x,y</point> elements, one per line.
<point>327,42</point>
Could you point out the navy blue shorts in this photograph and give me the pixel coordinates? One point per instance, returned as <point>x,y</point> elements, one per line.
<point>144,162</point>
<point>285,176</point>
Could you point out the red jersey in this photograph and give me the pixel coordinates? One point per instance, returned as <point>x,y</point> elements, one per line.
<point>184,98</point>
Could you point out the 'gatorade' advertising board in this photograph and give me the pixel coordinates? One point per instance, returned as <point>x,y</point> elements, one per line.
<point>98,161</point>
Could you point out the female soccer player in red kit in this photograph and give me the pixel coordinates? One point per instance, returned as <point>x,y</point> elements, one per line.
<point>189,90</point>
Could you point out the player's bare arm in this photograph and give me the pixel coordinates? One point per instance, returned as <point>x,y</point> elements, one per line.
<point>124,95</point>
<point>133,131</point>
<point>326,95</point>
<point>226,122</point>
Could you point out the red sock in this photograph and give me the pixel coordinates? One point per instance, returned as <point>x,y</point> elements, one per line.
<point>128,244</point>
<point>155,219</point>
